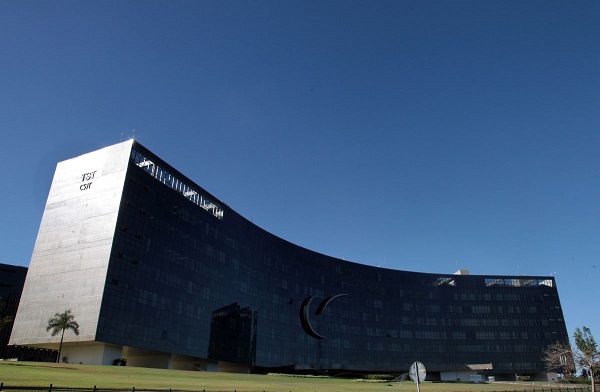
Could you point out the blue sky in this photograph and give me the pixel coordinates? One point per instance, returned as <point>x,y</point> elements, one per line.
<point>415,135</point>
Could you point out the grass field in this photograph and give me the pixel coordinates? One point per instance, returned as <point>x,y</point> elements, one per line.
<point>85,376</point>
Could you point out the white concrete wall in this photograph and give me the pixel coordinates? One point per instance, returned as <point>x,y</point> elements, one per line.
<point>229,367</point>
<point>71,252</point>
<point>182,362</point>
<point>93,354</point>
<point>457,376</point>
<point>147,358</point>
<point>552,377</point>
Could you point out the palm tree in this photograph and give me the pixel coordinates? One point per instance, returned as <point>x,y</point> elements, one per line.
<point>60,323</point>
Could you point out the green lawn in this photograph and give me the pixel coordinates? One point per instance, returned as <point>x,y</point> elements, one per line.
<point>71,375</point>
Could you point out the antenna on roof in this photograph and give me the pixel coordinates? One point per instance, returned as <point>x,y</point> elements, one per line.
<point>133,136</point>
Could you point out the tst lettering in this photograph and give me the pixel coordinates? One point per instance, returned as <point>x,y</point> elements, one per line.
<point>87,177</point>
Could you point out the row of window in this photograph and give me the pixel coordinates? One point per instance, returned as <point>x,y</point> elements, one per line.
<point>191,265</point>
<point>173,182</point>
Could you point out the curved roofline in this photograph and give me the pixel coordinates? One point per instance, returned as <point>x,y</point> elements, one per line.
<point>228,210</point>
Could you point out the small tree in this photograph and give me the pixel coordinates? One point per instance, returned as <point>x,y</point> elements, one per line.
<point>586,353</point>
<point>60,323</point>
<point>558,357</point>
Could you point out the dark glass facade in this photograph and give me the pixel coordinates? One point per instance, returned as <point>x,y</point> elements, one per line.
<point>188,275</point>
<point>12,278</point>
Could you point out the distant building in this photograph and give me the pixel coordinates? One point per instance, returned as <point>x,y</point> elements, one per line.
<point>163,274</point>
<point>12,278</point>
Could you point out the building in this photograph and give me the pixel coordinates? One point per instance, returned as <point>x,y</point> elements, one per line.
<point>163,274</point>
<point>12,278</point>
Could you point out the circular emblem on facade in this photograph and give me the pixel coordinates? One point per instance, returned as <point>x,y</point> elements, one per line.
<point>304,309</point>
